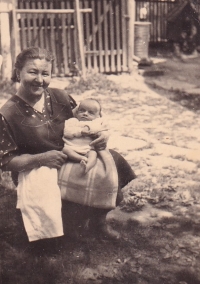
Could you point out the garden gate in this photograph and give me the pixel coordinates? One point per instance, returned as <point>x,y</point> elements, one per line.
<point>83,34</point>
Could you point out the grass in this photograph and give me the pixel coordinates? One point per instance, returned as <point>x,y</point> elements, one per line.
<point>94,81</point>
<point>76,263</point>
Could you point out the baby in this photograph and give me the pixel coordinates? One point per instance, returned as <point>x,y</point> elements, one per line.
<point>78,132</point>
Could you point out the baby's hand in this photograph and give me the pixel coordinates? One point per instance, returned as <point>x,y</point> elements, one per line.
<point>85,130</point>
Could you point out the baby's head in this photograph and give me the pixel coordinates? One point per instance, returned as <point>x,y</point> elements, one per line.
<point>89,109</point>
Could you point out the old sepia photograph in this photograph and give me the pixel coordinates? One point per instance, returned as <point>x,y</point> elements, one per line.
<point>99,141</point>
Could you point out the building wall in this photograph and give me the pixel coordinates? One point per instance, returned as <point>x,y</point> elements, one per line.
<point>5,40</point>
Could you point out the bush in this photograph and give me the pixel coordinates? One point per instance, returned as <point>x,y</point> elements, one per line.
<point>7,87</point>
<point>93,81</point>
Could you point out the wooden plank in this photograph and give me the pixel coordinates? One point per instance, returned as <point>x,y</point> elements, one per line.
<point>93,38</point>
<point>75,53</point>
<point>5,47</point>
<point>156,21</point>
<point>15,34</point>
<point>131,33</point>
<point>137,15</point>
<point>29,36</point>
<point>106,28</point>
<point>100,20</point>
<point>51,11</point>
<point>165,22</point>
<point>80,45</point>
<point>112,47</point>
<point>136,11</point>
<point>52,35</point>
<point>124,36</point>
<point>46,31</point>
<point>5,10</point>
<point>23,31</point>
<point>151,20</point>
<point>70,38</point>
<point>64,42</point>
<point>35,31</point>
<point>57,44</point>
<point>40,27</point>
<point>161,21</point>
<point>103,52</point>
<point>118,41</point>
<point>87,30</point>
<point>101,65</point>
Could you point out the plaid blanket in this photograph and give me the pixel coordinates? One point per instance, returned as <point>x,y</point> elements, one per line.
<point>98,188</point>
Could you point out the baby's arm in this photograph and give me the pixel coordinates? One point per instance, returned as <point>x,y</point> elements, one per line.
<point>72,155</point>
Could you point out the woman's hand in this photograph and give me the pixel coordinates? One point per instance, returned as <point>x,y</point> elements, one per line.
<point>52,159</point>
<point>26,162</point>
<point>101,139</point>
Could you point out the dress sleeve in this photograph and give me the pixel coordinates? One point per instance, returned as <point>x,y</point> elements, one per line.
<point>8,147</point>
<point>98,125</point>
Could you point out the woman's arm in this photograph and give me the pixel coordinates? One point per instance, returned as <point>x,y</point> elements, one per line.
<point>101,135</point>
<point>51,159</point>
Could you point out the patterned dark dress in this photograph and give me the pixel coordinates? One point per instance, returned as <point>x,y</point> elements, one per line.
<point>23,130</point>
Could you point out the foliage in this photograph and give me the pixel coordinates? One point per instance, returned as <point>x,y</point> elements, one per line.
<point>135,201</point>
<point>93,81</point>
<point>7,87</point>
<point>159,194</point>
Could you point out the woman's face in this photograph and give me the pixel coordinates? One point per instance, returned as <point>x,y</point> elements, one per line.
<point>35,76</point>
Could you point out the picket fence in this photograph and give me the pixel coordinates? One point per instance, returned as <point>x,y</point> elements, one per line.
<point>83,34</point>
<point>103,38</point>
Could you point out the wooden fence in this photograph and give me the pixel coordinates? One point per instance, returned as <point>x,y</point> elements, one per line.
<point>106,32</point>
<point>156,15</point>
<point>157,11</point>
<point>5,45</point>
<point>97,35</point>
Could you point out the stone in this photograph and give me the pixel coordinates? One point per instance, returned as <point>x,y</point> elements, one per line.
<point>148,215</point>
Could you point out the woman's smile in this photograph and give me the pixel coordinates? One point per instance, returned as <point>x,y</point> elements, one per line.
<point>37,87</point>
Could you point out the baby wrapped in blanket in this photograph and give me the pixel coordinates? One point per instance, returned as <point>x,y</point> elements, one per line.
<point>40,190</point>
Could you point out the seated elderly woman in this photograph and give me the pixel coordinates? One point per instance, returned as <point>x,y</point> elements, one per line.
<point>32,124</point>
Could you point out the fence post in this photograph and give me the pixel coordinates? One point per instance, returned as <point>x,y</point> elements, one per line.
<point>5,41</point>
<point>80,43</point>
<point>131,34</point>
<point>14,33</point>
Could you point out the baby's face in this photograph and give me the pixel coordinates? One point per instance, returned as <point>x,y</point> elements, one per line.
<point>88,110</point>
